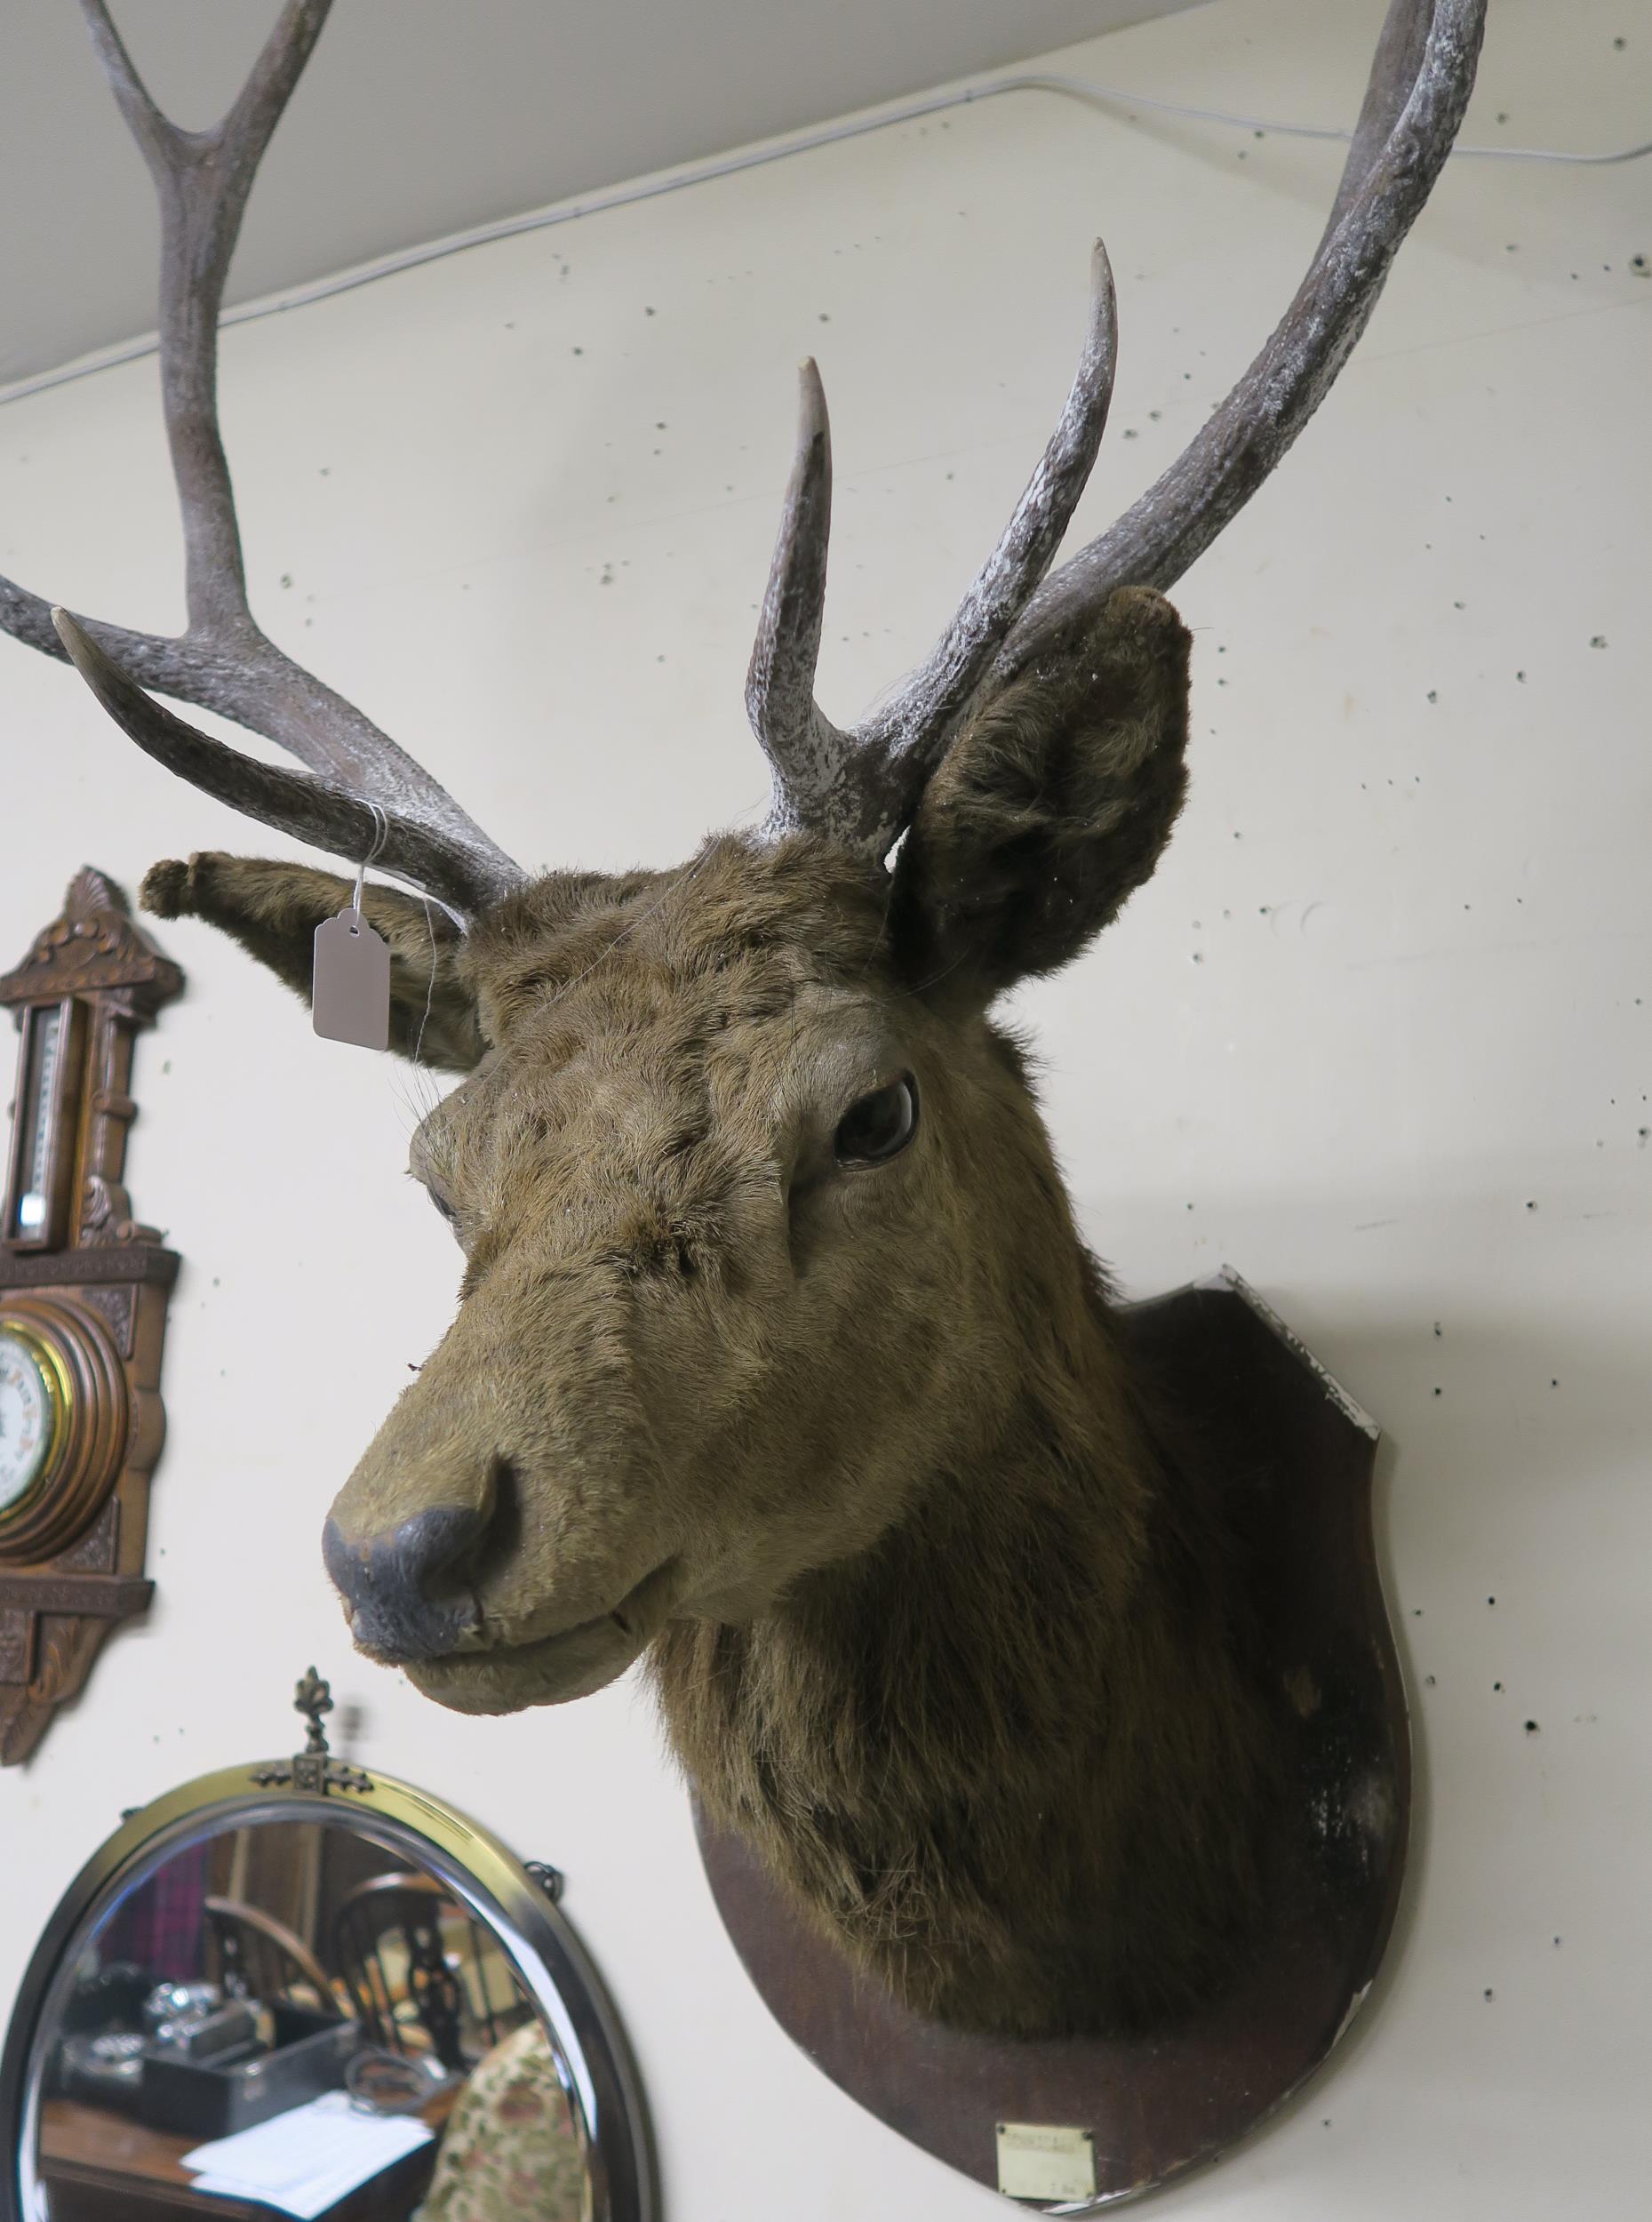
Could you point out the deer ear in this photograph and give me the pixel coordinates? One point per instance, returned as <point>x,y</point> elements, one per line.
<point>273,909</point>
<point>1050,807</point>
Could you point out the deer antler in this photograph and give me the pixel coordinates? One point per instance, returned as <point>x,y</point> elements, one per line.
<point>860,787</point>
<point>223,661</point>
<point>852,785</point>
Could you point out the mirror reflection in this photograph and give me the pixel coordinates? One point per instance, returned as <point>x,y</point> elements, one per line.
<point>288,2017</point>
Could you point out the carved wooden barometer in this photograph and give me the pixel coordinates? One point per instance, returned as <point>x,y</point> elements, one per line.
<point>83,1310</point>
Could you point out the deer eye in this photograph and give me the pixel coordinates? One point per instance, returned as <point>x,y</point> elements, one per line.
<point>879,1125</point>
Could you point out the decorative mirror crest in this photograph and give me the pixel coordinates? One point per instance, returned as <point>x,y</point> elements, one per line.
<point>312,1769</point>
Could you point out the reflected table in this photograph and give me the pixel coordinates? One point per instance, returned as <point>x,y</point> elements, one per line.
<point>99,2167</point>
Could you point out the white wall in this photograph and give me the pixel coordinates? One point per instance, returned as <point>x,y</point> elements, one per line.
<point>1380,1031</point>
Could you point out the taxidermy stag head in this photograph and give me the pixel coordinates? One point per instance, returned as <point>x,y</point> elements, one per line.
<point>778,1357</point>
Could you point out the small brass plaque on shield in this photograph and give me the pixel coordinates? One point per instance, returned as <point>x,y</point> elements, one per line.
<point>1036,2160</point>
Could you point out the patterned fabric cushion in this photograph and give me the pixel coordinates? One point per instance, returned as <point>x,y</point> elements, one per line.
<point>511,2153</point>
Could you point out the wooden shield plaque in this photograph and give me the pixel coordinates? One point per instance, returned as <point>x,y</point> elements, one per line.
<point>1151,2107</point>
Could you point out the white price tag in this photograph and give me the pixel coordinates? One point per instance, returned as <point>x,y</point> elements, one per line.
<point>350,995</point>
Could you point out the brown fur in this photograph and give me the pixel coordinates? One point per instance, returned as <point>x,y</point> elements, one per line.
<point>854,1453</point>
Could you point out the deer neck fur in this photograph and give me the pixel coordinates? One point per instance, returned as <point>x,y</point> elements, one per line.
<point>1011,1757</point>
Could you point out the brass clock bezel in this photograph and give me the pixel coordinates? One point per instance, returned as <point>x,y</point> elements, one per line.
<point>59,1393</point>
<point>88,1384</point>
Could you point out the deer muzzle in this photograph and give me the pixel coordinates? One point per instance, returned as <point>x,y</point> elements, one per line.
<point>554,1670</point>
<point>404,1590</point>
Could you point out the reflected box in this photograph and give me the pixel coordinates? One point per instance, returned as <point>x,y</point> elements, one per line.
<point>205,2098</point>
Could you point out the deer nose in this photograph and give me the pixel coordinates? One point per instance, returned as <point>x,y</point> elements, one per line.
<point>404,1588</point>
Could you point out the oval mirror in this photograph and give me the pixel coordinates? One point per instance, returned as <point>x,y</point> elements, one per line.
<point>295,1987</point>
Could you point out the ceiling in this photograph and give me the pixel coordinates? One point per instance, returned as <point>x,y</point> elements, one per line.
<point>419,117</point>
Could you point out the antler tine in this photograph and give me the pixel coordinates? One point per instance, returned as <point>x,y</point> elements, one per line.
<point>1420,83</point>
<point>202,179</point>
<point>859,786</point>
<point>223,661</point>
<point>804,748</point>
<point>302,803</point>
<point>916,724</point>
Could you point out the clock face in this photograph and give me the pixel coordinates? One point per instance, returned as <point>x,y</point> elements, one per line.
<point>28,1419</point>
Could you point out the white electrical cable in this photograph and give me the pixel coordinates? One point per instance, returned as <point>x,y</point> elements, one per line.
<point>710,166</point>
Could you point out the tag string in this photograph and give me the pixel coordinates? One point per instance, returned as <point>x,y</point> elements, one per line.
<point>430,990</point>
<point>381,833</point>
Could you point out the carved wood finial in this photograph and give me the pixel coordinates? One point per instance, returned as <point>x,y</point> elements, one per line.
<point>90,890</point>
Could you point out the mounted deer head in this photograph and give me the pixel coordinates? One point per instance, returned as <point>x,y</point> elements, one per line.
<point>777,1351</point>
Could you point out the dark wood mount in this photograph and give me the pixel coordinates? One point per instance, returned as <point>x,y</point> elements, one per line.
<point>89,1284</point>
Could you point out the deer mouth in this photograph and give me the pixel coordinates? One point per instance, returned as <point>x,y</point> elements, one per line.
<point>507,1677</point>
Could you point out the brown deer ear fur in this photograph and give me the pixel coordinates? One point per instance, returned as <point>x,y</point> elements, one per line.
<point>273,909</point>
<point>1050,807</point>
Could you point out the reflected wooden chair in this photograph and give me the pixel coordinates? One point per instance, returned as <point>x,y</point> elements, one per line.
<point>252,1954</point>
<point>422,1975</point>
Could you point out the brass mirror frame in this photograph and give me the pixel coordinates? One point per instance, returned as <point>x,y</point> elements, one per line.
<point>543,1953</point>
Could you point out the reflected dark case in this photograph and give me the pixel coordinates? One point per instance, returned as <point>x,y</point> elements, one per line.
<point>204,2098</point>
